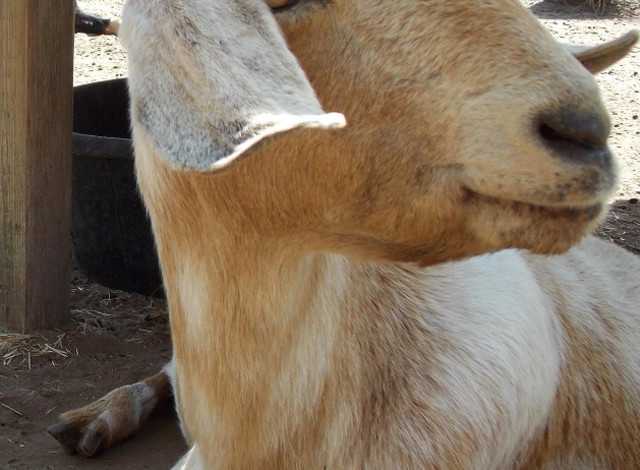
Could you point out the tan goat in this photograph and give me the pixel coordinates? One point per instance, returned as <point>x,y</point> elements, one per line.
<point>326,310</point>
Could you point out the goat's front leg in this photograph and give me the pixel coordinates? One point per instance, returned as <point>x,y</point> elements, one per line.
<point>113,417</point>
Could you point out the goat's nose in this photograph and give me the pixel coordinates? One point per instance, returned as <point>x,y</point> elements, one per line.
<point>576,135</point>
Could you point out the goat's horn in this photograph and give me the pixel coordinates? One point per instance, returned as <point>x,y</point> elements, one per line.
<point>278,3</point>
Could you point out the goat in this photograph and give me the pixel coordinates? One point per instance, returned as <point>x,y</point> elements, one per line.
<point>379,294</point>
<point>90,24</point>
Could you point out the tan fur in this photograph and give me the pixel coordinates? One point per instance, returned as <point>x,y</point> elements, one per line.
<point>313,324</point>
<point>370,389</point>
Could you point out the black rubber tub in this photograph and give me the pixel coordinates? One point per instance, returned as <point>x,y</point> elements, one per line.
<point>111,233</point>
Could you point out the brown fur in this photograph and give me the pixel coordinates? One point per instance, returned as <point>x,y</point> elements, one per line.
<point>305,334</point>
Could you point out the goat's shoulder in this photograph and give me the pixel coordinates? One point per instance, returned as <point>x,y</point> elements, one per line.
<point>472,339</point>
<point>596,281</point>
<point>595,298</point>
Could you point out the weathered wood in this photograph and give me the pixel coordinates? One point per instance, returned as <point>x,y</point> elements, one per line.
<point>36,70</point>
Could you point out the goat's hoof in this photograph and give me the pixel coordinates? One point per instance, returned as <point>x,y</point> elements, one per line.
<point>75,439</point>
<point>66,434</point>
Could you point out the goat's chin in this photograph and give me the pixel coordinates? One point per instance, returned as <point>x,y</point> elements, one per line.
<point>481,224</point>
<point>541,229</point>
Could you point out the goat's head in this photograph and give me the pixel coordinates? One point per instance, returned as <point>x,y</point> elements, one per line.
<point>469,129</point>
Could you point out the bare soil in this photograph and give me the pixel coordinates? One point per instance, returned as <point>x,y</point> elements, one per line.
<point>116,338</point>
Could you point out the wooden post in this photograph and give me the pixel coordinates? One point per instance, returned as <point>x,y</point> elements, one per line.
<point>36,84</point>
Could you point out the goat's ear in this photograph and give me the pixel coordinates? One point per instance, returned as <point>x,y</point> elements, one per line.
<point>209,80</point>
<point>597,58</point>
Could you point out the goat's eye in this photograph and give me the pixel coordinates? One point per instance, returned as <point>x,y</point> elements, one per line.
<point>281,6</point>
<point>278,5</point>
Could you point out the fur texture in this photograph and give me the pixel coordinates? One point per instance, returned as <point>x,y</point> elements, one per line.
<point>324,307</point>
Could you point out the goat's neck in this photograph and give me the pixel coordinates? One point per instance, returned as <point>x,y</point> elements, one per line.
<point>256,319</point>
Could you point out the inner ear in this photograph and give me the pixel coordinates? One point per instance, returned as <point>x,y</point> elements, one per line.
<point>597,58</point>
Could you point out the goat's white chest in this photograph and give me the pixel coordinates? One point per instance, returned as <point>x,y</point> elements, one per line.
<point>503,364</point>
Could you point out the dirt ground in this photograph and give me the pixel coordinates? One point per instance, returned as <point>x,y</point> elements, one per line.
<point>116,338</point>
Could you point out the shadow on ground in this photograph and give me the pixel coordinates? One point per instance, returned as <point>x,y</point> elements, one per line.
<point>622,225</point>
<point>560,10</point>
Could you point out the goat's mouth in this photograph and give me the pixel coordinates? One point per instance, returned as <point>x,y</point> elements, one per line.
<point>540,228</point>
<point>583,214</point>
<point>577,214</point>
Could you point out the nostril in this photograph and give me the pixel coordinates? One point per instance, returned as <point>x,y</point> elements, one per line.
<point>588,130</point>
<point>575,135</point>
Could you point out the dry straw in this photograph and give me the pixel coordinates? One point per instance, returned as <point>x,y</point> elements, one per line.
<point>17,350</point>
